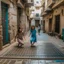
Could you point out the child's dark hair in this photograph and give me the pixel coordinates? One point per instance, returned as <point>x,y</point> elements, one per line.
<point>32,26</point>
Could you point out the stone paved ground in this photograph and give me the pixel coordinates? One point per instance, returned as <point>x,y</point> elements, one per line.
<point>41,50</point>
<point>27,61</point>
<point>57,44</point>
<point>52,39</point>
<point>45,47</point>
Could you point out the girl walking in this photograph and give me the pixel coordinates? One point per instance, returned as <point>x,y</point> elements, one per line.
<point>33,38</point>
<point>39,28</point>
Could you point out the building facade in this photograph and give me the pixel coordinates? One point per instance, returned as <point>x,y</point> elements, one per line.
<point>8,22</point>
<point>53,16</point>
<point>12,15</point>
<point>35,14</point>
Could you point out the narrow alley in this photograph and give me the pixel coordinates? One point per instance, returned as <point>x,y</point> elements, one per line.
<point>31,31</point>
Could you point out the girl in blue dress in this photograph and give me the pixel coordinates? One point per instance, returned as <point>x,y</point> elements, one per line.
<point>33,38</point>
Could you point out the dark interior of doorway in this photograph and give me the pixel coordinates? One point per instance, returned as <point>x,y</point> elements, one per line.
<point>50,25</point>
<point>18,16</point>
<point>36,23</point>
<point>57,24</point>
<point>44,26</point>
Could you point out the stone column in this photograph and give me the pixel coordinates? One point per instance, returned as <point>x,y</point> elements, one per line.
<point>24,21</point>
<point>27,24</point>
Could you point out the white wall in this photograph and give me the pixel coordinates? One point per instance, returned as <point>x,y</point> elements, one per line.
<point>33,22</point>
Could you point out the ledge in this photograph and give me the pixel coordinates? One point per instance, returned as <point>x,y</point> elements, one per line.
<point>61,2</point>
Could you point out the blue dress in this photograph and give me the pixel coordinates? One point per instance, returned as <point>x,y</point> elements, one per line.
<point>33,36</point>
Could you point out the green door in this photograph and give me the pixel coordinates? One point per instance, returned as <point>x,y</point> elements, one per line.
<point>4,8</point>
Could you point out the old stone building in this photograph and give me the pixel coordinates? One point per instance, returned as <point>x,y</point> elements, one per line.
<point>53,16</point>
<point>12,15</point>
<point>8,22</point>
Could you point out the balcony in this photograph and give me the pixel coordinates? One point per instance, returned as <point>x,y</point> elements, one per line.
<point>58,3</point>
<point>48,9</point>
<point>44,13</point>
<point>50,3</point>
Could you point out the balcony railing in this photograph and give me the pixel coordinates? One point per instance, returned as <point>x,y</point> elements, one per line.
<point>48,9</point>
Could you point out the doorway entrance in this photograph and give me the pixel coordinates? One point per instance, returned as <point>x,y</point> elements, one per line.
<point>37,23</point>
<point>18,16</point>
<point>50,25</point>
<point>57,24</point>
<point>4,9</point>
<point>44,26</point>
